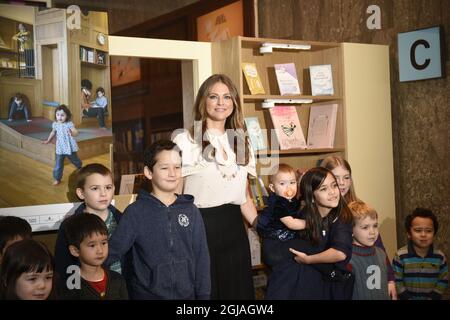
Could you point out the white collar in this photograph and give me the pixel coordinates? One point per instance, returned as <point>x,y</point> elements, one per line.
<point>221,144</point>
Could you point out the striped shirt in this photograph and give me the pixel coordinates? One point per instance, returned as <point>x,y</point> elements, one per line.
<point>420,278</point>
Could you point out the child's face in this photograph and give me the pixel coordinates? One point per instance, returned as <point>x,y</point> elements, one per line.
<point>327,195</point>
<point>97,193</point>
<point>94,249</point>
<point>34,285</point>
<point>343,178</point>
<point>421,232</point>
<point>61,116</point>
<point>284,184</point>
<point>99,94</point>
<point>166,173</point>
<point>365,231</point>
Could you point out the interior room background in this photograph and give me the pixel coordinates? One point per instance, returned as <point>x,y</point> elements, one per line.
<point>420,109</point>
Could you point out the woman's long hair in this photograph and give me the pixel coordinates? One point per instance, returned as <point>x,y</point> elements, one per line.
<point>235,121</point>
<point>310,182</point>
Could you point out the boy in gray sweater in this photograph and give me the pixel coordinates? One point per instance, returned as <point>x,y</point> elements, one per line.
<point>368,262</point>
<point>165,233</point>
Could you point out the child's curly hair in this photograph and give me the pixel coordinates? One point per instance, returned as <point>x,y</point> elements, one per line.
<point>66,110</point>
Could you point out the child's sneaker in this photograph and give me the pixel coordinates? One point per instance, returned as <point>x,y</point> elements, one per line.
<point>56,182</point>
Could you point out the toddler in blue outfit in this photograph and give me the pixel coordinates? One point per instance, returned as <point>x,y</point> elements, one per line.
<point>66,146</point>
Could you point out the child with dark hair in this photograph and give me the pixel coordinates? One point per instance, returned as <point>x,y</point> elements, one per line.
<point>26,272</point>
<point>87,237</point>
<point>98,108</point>
<point>19,103</point>
<point>12,229</point>
<point>325,245</point>
<point>165,234</point>
<point>96,188</point>
<point>421,271</point>
<point>66,146</point>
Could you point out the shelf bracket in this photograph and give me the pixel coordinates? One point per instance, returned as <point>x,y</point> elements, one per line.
<point>267,47</point>
<point>270,103</point>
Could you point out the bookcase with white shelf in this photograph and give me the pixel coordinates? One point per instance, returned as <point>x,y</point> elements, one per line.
<point>228,58</point>
<point>361,79</point>
<point>363,134</point>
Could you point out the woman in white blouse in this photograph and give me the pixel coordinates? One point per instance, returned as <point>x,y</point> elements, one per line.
<point>217,158</point>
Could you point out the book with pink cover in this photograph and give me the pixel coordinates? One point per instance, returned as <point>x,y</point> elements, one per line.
<point>322,126</point>
<point>287,127</point>
<point>287,79</point>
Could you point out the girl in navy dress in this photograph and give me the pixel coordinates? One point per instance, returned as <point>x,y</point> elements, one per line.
<point>318,270</point>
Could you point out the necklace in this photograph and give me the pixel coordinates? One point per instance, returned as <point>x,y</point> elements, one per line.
<point>228,172</point>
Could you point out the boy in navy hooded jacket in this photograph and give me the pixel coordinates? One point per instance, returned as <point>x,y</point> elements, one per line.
<point>165,233</point>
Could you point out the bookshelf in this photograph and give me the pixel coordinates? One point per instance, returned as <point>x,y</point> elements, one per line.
<point>15,59</point>
<point>362,85</point>
<point>230,55</point>
<point>93,57</point>
<point>363,132</point>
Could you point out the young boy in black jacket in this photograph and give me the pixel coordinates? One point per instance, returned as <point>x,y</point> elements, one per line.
<point>87,237</point>
<point>96,188</point>
<point>165,233</point>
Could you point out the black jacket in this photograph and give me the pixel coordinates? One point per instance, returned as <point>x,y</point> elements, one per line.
<point>63,258</point>
<point>116,289</point>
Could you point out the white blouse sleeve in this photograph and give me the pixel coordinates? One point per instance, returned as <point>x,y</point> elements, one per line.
<point>251,166</point>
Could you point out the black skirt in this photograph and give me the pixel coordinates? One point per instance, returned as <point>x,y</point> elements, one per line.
<point>229,250</point>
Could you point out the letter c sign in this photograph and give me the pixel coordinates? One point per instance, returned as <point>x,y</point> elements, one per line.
<point>419,54</point>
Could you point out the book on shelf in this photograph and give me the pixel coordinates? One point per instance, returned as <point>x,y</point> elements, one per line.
<point>264,191</point>
<point>322,126</point>
<point>253,81</point>
<point>255,247</point>
<point>287,78</point>
<point>321,80</point>
<point>287,127</point>
<point>255,193</point>
<point>255,134</point>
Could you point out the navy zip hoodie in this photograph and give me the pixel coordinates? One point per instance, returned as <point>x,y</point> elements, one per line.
<point>169,252</point>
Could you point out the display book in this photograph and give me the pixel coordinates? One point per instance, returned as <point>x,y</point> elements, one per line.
<point>287,78</point>
<point>288,130</point>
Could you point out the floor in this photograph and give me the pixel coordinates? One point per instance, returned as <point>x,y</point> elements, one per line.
<point>26,182</point>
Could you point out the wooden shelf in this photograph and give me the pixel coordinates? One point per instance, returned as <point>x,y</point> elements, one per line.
<point>262,153</point>
<point>262,97</point>
<point>261,266</point>
<point>95,65</point>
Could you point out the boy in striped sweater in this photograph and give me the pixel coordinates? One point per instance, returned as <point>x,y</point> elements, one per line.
<point>421,272</point>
